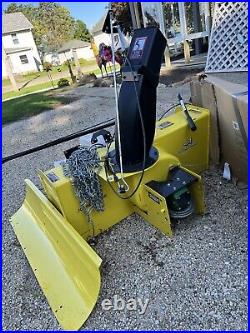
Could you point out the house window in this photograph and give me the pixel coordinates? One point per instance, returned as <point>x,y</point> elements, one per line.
<point>24,59</point>
<point>15,39</point>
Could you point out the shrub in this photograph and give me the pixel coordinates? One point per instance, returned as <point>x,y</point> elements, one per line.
<point>63,83</point>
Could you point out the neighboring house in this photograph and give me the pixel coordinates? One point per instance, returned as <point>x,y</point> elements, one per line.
<point>19,45</point>
<point>65,52</point>
<point>101,37</point>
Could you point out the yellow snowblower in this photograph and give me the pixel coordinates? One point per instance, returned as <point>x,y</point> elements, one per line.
<point>147,167</point>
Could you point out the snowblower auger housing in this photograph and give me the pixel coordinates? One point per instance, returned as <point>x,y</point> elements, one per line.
<point>53,229</point>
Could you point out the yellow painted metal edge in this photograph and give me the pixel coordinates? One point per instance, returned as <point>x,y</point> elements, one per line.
<point>66,267</point>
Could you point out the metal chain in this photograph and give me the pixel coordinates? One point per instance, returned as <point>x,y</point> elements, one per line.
<point>82,167</point>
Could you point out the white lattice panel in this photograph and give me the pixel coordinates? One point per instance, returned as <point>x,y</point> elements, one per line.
<point>228,49</point>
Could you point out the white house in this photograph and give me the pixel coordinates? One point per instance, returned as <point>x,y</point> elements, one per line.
<point>65,52</point>
<point>101,37</point>
<point>98,35</point>
<point>19,45</point>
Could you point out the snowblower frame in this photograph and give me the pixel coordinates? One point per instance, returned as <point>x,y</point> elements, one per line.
<point>151,169</point>
<point>53,231</point>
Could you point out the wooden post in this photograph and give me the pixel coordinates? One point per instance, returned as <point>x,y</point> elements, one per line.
<point>183,23</point>
<point>73,77</point>
<point>9,71</point>
<point>197,26</point>
<point>173,25</point>
<point>163,30</point>
<point>77,64</point>
<point>137,16</point>
<point>208,19</point>
<point>186,52</point>
<point>167,58</point>
<point>132,13</point>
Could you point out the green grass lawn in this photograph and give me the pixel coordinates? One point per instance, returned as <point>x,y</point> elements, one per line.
<point>41,86</point>
<point>28,90</point>
<point>55,70</point>
<point>30,105</point>
<point>36,102</point>
<point>31,89</point>
<point>97,70</point>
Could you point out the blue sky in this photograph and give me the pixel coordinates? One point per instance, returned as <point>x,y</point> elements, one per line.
<point>88,12</point>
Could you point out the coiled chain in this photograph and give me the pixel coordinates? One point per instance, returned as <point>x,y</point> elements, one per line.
<point>82,167</point>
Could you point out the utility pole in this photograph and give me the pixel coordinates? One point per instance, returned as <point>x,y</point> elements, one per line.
<point>9,71</point>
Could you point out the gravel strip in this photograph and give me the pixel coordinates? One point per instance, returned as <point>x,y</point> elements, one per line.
<point>198,281</point>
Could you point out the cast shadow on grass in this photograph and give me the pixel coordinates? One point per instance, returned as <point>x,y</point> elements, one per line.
<point>31,105</point>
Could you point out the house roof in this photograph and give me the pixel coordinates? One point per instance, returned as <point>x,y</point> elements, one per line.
<point>73,44</point>
<point>13,22</point>
<point>98,26</point>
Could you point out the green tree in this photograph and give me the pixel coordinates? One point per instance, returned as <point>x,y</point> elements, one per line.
<point>81,32</point>
<point>52,24</point>
<point>12,8</point>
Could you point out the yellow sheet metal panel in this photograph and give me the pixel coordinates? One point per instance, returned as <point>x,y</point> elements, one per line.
<point>155,210</point>
<point>61,193</point>
<point>175,137</point>
<point>65,265</point>
<point>176,145</point>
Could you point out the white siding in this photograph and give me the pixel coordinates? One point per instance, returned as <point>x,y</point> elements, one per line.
<point>17,65</point>
<point>52,58</point>
<point>4,70</point>
<point>102,38</point>
<point>64,56</point>
<point>106,39</point>
<point>82,53</point>
<point>25,39</point>
<point>85,53</point>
